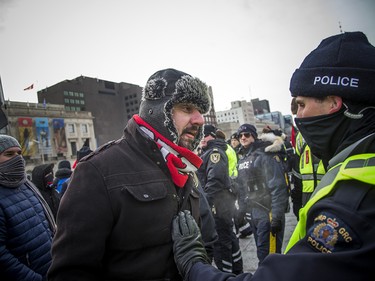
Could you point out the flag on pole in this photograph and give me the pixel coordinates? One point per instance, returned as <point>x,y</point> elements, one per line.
<point>29,88</point>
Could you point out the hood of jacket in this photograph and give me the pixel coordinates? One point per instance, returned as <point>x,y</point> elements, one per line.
<point>38,174</point>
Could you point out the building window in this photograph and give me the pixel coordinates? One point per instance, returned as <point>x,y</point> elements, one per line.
<point>81,95</point>
<point>71,101</point>
<point>84,129</point>
<point>71,94</point>
<point>109,85</point>
<point>66,93</point>
<point>82,102</point>
<point>67,108</point>
<point>66,100</point>
<point>71,128</point>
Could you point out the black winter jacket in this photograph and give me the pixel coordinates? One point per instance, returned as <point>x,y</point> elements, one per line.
<point>49,193</point>
<point>213,173</point>
<point>261,177</point>
<point>115,218</point>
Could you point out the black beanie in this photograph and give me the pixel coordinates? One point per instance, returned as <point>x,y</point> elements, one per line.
<point>342,65</point>
<point>234,136</point>
<point>209,130</point>
<point>247,128</point>
<point>163,90</point>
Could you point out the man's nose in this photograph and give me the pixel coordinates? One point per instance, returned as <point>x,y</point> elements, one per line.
<point>197,118</point>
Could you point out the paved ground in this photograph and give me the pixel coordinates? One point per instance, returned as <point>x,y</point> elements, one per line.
<point>250,260</point>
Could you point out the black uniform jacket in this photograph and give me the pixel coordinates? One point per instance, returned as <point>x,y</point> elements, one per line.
<point>115,218</point>
<point>213,173</point>
<point>346,221</point>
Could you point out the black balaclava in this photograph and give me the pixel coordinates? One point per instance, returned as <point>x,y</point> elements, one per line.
<point>329,134</point>
<point>42,176</point>
<point>163,90</point>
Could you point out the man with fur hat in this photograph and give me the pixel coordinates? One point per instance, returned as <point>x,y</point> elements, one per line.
<point>334,238</point>
<point>115,218</point>
<point>219,188</point>
<point>26,222</point>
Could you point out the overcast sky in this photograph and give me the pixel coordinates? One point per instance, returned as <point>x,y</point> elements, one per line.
<point>244,49</point>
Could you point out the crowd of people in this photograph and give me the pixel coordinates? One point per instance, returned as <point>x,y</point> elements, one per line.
<point>171,198</point>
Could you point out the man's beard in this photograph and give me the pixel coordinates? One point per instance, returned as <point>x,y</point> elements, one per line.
<point>188,142</point>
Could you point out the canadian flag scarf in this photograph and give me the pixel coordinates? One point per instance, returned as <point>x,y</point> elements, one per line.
<point>180,160</point>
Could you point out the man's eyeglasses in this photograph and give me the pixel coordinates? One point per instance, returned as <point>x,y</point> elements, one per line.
<point>246,135</point>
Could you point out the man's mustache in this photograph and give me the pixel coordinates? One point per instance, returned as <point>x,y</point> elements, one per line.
<point>191,130</point>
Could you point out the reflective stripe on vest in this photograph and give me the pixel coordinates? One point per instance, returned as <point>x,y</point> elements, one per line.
<point>300,142</point>
<point>310,176</point>
<point>359,167</point>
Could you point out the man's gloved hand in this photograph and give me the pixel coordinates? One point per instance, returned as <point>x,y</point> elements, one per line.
<point>275,226</point>
<point>188,245</point>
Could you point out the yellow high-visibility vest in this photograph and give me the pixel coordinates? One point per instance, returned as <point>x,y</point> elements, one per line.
<point>311,169</point>
<point>232,161</point>
<point>359,167</point>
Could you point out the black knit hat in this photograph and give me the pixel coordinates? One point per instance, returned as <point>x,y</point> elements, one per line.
<point>234,136</point>
<point>209,130</point>
<point>247,128</point>
<point>342,65</point>
<point>163,90</point>
<point>64,164</point>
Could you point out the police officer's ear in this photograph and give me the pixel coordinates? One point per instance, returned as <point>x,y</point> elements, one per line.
<point>335,103</point>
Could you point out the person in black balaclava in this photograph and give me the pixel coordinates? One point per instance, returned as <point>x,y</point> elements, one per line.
<point>334,238</point>
<point>116,215</point>
<point>42,176</point>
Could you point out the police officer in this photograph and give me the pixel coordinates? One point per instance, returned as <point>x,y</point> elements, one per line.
<point>310,169</point>
<point>264,190</point>
<point>217,184</point>
<point>334,238</point>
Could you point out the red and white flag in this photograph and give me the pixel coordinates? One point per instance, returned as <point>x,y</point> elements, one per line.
<point>29,88</point>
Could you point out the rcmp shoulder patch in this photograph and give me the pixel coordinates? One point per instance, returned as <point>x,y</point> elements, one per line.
<point>215,157</point>
<point>330,234</point>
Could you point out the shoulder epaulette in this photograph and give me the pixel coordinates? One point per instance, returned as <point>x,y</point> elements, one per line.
<point>101,148</point>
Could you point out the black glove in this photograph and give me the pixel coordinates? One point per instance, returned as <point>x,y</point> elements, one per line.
<point>188,245</point>
<point>275,226</point>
